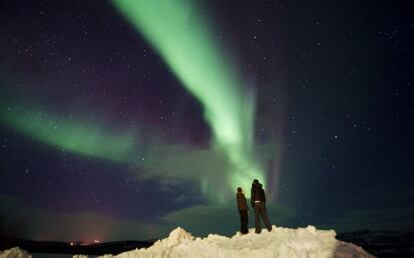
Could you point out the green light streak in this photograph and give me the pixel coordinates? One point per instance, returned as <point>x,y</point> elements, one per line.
<point>186,44</point>
<point>69,135</point>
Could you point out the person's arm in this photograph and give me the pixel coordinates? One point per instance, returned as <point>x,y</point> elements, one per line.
<point>240,201</point>
<point>245,203</point>
<point>252,197</point>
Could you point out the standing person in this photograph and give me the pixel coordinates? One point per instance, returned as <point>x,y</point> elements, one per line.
<point>243,208</point>
<point>258,202</point>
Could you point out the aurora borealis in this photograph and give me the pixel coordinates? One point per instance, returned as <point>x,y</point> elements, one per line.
<point>124,119</point>
<point>186,43</point>
<point>68,135</point>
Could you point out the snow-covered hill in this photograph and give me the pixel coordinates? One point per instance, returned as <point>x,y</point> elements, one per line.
<point>280,242</point>
<point>14,253</point>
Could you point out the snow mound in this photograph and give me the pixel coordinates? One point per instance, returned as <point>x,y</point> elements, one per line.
<point>15,252</point>
<point>280,242</point>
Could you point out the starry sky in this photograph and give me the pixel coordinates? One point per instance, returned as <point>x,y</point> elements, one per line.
<point>125,119</point>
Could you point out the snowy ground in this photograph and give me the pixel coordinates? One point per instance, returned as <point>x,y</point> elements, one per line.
<point>14,253</point>
<point>280,242</point>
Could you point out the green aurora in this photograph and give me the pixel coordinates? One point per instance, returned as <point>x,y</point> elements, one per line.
<point>187,45</point>
<point>69,135</point>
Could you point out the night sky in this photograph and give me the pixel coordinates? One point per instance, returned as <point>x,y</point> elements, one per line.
<point>125,119</point>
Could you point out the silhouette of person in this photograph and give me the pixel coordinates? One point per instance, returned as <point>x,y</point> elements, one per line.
<point>243,208</point>
<point>258,202</point>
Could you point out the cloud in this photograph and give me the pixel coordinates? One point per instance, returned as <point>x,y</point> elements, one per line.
<point>201,220</point>
<point>222,219</point>
<point>376,208</point>
<point>41,224</point>
<point>208,170</point>
<point>387,218</point>
<point>185,162</point>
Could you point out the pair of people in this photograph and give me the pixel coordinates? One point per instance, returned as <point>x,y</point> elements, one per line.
<point>258,202</point>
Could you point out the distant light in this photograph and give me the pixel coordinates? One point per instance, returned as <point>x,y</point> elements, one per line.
<point>96,241</point>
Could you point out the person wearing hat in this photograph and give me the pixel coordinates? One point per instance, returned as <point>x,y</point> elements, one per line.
<point>243,208</point>
<point>258,202</point>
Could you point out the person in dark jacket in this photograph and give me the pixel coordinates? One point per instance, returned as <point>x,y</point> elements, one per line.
<point>258,202</point>
<point>243,208</point>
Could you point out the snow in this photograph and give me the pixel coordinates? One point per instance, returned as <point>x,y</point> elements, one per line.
<point>15,252</point>
<point>280,242</point>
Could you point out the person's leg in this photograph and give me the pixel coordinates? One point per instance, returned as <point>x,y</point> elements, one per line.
<point>265,218</point>
<point>244,220</point>
<point>257,218</point>
<point>241,221</point>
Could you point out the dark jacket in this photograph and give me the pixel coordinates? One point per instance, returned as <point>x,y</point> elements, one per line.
<point>241,202</point>
<point>257,194</point>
